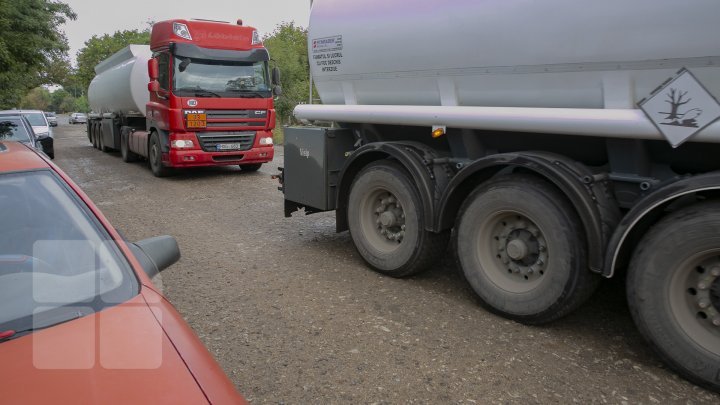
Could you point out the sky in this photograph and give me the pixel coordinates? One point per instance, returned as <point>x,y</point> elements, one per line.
<point>98,17</point>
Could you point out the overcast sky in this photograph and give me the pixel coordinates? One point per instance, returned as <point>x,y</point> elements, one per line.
<point>97,17</point>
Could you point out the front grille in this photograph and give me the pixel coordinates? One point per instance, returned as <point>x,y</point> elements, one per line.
<point>235,118</point>
<point>209,141</point>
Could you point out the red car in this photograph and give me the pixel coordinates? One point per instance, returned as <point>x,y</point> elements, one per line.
<point>80,319</point>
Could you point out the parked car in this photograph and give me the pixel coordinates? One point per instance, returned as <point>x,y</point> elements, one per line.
<point>15,126</point>
<point>51,118</point>
<point>37,119</point>
<point>80,318</point>
<point>77,118</point>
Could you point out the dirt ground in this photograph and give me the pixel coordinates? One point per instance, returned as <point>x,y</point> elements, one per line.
<point>294,316</point>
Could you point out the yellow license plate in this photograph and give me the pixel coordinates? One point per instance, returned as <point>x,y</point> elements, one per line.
<point>196,120</point>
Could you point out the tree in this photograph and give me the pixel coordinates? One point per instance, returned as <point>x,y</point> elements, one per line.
<point>57,98</point>
<point>37,99</point>
<point>288,51</point>
<point>99,48</point>
<point>32,47</point>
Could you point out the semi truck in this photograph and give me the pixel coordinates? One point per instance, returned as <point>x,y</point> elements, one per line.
<point>545,145</point>
<point>201,94</point>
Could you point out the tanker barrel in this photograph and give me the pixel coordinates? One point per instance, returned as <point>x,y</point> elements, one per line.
<point>120,84</point>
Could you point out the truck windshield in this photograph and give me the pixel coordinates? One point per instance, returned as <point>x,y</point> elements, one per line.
<point>212,78</point>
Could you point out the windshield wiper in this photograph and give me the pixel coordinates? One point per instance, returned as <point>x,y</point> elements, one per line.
<point>249,94</point>
<point>14,334</point>
<point>198,92</point>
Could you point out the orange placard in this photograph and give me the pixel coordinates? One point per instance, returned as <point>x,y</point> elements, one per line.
<point>196,120</point>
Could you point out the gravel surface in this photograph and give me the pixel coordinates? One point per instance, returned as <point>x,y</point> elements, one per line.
<point>293,315</point>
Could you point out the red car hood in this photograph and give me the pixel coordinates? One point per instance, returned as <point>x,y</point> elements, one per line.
<point>120,355</point>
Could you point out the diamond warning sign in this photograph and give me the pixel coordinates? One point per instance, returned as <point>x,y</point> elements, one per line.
<point>680,108</point>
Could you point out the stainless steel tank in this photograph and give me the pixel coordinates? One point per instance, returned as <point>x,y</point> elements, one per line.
<point>517,53</point>
<point>120,84</point>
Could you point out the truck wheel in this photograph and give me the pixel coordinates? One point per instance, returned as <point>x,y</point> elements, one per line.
<point>522,250</point>
<point>155,157</point>
<point>125,153</point>
<point>673,290</point>
<point>101,140</point>
<point>251,168</point>
<point>385,217</point>
<point>93,134</point>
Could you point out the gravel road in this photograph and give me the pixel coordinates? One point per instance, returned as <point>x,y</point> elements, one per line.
<point>293,315</point>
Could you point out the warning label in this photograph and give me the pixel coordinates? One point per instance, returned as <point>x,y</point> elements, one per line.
<point>327,53</point>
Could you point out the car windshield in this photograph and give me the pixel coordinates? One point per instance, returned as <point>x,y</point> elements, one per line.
<point>56,261</point>
<point>13,129</point>
<point>212,78</point>
<point>36,119</point>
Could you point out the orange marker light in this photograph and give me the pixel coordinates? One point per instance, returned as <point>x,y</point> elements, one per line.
<point>438,132</point>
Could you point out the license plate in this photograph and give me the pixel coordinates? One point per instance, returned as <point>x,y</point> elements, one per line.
<point>229,146</point>
<point>196,120</point>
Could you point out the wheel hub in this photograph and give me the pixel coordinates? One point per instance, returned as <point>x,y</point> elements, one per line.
<point>390,218</point>
<point>521,248</point>
<point>705,293</point>
<point>517,249</point>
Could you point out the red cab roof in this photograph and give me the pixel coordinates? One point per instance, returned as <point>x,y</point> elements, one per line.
<point>14,156</point>
<point>206,34</point>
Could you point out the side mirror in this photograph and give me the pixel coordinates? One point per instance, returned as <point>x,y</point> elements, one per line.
<point>47,143</point>
<point>153,69</point>
<point>277,91</point>
<point>276,76</point>
<point>156,254</point>
<point>154,86</point>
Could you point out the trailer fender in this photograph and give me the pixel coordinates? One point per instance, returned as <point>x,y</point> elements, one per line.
<point>649,210</point>
<point>416,158</point>
<point>587,192</point>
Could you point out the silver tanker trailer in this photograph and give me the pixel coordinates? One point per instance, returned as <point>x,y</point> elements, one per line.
<point>552,142</point>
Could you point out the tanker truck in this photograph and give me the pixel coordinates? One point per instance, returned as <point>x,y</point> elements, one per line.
<point>201,94</point>
<point>543,144</point>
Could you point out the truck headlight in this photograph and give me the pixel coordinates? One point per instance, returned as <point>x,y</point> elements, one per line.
<point>266,141</point>
<point>182,144</point>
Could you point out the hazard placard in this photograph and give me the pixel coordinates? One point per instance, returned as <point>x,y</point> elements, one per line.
<point>680,108</point>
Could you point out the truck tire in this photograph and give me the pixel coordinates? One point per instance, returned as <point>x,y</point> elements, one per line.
<point>673,289</point>
<point>522,249</point>
<point>101,140</point>
<point>385,217</point>
<point>125,153</point>
<point>155,157</point>
<point>93,134</point>
<point>251,168</point>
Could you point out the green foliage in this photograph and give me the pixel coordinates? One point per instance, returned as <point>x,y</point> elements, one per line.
<point>99,48</point>
<point>32,46</point>
<point>37,99</point>
<point>288,51</point>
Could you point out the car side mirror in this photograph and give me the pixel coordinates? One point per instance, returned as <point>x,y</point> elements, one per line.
<point>276,76</point>
<point>156,254</point>
<point>47,144</point>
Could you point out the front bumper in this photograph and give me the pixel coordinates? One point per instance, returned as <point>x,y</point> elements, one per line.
<point>198,157</point>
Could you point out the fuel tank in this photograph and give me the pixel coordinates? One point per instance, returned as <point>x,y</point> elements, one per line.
<point>509,53</point>
<point>120,84</point>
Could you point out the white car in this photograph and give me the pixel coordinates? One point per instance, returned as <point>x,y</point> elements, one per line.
<point>77,118</point>
<point>39,122</point>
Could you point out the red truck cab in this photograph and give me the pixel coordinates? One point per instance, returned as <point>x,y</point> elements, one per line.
<point>211,98</point>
